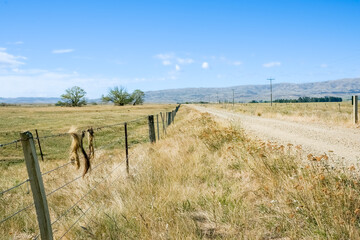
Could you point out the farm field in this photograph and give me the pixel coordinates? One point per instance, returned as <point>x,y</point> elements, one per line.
<point>206,179</point>
<point>331,113</point>
<point>58,120</point>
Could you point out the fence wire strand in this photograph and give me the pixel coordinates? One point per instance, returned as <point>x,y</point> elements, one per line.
<point>57,168</point>
<point>16,186</point>
<point>9,143</point>
<point>16,213</point>
<point>85,195</point>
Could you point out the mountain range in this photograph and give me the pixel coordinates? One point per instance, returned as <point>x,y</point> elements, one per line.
<point>244,93</point>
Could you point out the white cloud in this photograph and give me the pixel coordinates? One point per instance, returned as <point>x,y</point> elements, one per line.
<point>15,43</point>
<point>44,83</point>
<point>272,64</point>
<point>205,65</point>
<point>9,60</point>
<point>166,62</point>
<point>185,60</point>
<point>324,65</point>
<point>177,67</point>
<point>237,63</point>
<point>58,51</point>
<point>164,56</point>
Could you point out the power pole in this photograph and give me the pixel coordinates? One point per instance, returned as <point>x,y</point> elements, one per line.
<point>271,79</point>
<point>233,97</point>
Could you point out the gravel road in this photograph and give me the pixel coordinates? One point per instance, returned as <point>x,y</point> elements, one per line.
<point>342,145</point>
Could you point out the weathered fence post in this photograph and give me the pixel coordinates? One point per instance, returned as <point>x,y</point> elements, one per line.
<point>126,148</point>
<point>151,129</point>
<point>37,185</point>
<point>355,109</point>
<point>157,123</point>
<point>172,115</point>
<point>163,123</point>
<point>169,118</point>
<point>38,140</point>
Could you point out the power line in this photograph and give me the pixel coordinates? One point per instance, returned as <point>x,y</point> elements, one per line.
<point>271,95</point>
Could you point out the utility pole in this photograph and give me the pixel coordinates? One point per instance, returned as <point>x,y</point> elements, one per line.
<point>271,79</point>
<point>233,97</point>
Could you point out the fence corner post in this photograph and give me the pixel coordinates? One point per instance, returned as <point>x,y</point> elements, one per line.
<point>37,185</point>
<point>151,129</point>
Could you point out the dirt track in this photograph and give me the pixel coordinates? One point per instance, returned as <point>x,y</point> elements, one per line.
<point>341,144</point>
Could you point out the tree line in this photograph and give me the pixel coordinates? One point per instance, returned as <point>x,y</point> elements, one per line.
<point>310,99</point>
<point>75,97</point>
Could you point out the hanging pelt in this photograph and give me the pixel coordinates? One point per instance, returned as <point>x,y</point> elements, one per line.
<point>91,143</point>
<point>76,145</point>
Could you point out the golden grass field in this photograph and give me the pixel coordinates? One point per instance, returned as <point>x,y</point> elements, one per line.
<point>329,113</point>
<point>205,180</point>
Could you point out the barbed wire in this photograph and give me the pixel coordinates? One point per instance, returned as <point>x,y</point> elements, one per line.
<point>9,143</point>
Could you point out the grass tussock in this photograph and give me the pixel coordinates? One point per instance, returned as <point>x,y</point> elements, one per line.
<point>208,180</point>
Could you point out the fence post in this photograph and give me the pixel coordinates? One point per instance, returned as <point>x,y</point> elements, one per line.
<point>163,123</point>
<point>355,108</point>
<point>151,129</point>
<point>172,115</point>
<point>169,118</point>
<point>157,123</point>
<point>37,185</point>
<point>38,140</point>
<point>126,148</point>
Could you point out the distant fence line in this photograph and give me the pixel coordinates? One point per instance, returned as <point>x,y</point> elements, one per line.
<point>35,176</point>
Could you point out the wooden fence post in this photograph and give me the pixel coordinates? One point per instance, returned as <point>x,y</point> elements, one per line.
<point>157,123</point>
<point>151,129</point>
<point>163,123</point>
<point>169,118</point>
<point>126,148</point>
<point>355,109</point>
<point>37,185</point>
<point>38,140</point>
<point>172,115</point>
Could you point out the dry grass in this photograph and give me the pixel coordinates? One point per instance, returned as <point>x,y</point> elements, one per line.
<point>326,113</point>
<point>207,179</point>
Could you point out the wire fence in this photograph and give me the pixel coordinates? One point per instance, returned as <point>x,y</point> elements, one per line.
<point>109,139</point>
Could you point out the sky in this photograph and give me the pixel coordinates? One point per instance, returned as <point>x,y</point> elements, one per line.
<point>49,46</point>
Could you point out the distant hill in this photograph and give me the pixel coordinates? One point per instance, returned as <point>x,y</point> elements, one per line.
<point>31,100</point>
<point>339,88</point>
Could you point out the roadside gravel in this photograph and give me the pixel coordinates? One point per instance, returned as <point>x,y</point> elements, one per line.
<point>342,145</point>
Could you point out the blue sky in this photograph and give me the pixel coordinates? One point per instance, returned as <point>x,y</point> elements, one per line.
<point>48,46</point>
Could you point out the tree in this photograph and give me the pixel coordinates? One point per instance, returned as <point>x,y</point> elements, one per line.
<point>138,97</point>
<point>73,97</point>
<point>118,95</point>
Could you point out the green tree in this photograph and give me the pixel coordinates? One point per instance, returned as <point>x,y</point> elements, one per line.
<point>138,97</point>
<point>118,95</point>
<point>73,97</point>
